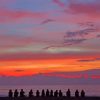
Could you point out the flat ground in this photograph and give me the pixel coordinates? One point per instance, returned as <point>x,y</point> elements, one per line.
<point>51,98</point>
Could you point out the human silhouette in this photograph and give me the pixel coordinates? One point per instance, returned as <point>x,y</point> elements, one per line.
<point>82,93</point>
<point>43,93</point>
<point>51,93</point>
<point>16,93</point>
<point>76,93</point>
<point>68,93</point>
<point>56,93</point>
<point>47,93</point>
<point>10,93</point>
<point>60,93</point>
<point>31,93</point>
<point>37,93</point>
<point>22,93</point>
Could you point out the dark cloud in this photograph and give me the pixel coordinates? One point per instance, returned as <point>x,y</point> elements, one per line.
<point>98,36</point>
<point>85,60</point>
<point>73,41</point>
<point>87,24</point>
<point>19,70</point>
<point>89,60</point>
<point>47,21</point>
<point>75,37</point>
<point>80,33</point>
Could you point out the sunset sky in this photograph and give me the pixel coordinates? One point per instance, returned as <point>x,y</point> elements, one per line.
<point>46,36</point>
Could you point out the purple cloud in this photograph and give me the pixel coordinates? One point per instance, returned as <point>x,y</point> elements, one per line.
<point>73,41</point>
<point>47,21</point>
<point>89,60</point>
<point>80,33</point>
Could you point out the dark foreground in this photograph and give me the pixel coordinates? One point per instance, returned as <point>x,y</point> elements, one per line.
<point>50,98</point>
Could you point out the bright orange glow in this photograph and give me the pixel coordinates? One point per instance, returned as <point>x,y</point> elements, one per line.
<point>31,67</point>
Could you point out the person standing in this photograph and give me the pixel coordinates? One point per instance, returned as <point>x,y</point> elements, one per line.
<point>10,94</point>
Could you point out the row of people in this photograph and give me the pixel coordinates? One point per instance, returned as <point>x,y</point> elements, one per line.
<point>44,93</point>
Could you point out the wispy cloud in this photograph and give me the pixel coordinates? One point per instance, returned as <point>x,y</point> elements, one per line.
<point>73,41</point>
<point>47,21</point>
<point>59,3</point>
<point>89,60</point>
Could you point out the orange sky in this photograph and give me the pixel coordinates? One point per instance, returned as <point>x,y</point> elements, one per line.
<point>31,67</point>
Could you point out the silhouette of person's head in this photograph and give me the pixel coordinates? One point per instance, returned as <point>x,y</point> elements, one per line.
<point>68,90</point>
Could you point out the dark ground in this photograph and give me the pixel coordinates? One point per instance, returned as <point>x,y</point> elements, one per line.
<point>51,98</point>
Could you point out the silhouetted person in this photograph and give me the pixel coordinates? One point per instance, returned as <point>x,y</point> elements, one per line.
<point>47,93</point>
<point>56,93</point>
<point>76,93</point>
<point>16,93</point>
<point>68,93</point>
<point>22,93</point>
<point>51,93</point>
<point>10,93</point>
<point>60,93</point>
<point>37,93</point>
<point>43,93</point>
<point>82,94</point>
<point>31,93</point>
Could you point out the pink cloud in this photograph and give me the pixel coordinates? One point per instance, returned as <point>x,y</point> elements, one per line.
<point>10,15</point>
<point>91,9</point>
<point>8,41</point>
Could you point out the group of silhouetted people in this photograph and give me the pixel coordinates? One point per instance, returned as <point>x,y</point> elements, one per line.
<point>47,93</point>
<point>16,93</point>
